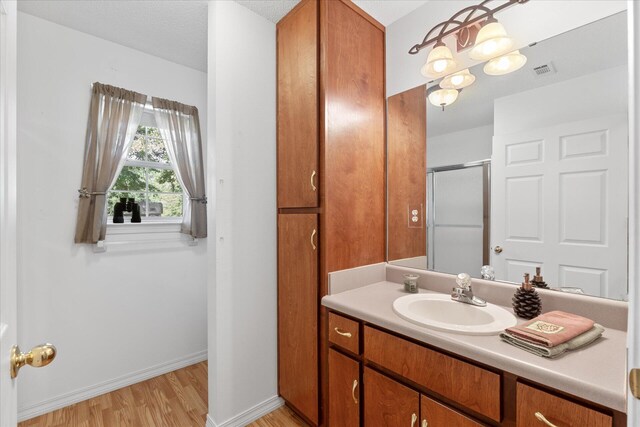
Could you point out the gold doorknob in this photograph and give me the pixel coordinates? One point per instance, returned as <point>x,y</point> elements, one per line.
<point>38,357</point>
<point>497,249</point>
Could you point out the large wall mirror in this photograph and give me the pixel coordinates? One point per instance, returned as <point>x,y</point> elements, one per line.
<point>524,170</point>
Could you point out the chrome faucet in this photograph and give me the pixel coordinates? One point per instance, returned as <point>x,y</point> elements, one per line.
<point>463,292</point>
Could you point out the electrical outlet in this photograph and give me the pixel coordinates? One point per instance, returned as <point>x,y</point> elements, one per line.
<point>415,215</point>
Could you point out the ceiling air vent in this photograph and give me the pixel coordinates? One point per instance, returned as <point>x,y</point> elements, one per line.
<point>544,69</point>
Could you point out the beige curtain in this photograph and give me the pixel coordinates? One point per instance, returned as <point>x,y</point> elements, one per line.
<point>113,121</point>
<point>180,128</point>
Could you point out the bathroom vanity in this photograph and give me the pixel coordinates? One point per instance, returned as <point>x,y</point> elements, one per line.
<point>384,370</point>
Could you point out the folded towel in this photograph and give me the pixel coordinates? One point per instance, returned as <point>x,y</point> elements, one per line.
<point>552,328</point>
<point>579,341</point>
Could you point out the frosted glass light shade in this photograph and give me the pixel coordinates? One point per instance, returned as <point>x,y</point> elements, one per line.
<point>443,97</point>
<point>505,64</point>
<point>439,62</point>
<point>492,40</point>
<point>458,80</point>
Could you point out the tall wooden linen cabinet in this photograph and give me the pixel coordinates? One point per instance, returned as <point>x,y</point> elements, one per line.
<point>331,178</point>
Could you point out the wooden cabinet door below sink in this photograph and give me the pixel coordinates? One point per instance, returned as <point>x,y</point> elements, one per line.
<point>389,403</point>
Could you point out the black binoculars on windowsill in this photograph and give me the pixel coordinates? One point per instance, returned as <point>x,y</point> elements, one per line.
<point>126,205</point>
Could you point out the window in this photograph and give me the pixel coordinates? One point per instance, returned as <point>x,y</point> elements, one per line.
<point>148,177</point>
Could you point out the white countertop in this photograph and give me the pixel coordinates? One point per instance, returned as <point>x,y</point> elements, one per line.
<point>596,373</point>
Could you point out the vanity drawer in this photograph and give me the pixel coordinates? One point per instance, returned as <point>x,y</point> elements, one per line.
<point>344,333</point>
<point>471,386</point>
<point>438,415</point>
<point>534,404</point>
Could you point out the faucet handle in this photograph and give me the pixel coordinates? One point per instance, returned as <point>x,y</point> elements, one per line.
<point>464,281</point>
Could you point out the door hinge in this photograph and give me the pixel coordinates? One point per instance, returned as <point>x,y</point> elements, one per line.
<point>634,382</point>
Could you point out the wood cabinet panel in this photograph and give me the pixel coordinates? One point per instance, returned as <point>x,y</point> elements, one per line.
<point>469,385</point>
<point>436,414</point>
<point>557,410</point>
<point>352,139</point>
<point>298,313</point>
<point>344,390</point>
<point>344,332</point>
<point>407,173</point>
<point>388,403</point>
<point>297,52</point>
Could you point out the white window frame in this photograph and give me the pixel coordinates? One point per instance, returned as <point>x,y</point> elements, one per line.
<point>152,232</point>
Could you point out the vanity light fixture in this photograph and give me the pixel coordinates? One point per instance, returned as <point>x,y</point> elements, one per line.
<point>442,97</point>
<point>439,62</point>
<point>505,64</point>
<point>458,80</point>
<point>492,40</point>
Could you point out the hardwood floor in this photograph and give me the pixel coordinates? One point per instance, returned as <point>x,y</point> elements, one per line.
<point>283,417</point>
<point>176,399</point>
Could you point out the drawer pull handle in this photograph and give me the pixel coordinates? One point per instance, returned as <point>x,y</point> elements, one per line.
<point>414,418</point>
<point>313,234</point>
<point>353,391</point>
<point>344,334</point>
<point>542,418</point>
<point>425,423</point>
<point>313,180</point>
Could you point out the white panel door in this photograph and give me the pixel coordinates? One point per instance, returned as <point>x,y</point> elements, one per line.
<point>8,300</point>
<point>559,202</point>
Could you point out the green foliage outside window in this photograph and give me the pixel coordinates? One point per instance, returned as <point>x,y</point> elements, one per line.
<point>148,177</point>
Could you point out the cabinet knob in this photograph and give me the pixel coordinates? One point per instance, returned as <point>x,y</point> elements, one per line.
<point>425,423</point>
<point>353,391</point>
<point>414,418</point>
<point>542,419</point>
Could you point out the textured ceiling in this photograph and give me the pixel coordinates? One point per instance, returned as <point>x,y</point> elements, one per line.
<point>385,11</point>
<point>388,11</point>
<point>170,29</point>
<point>173,30</point>
<point>273,10</point>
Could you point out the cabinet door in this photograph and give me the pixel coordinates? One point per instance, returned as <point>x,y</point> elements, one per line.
<point>298,312</point>
<point>353,143</point>
<point>298,107</point>
<point>537,408</point>
<point>344,391</point>
<point>388,403</point>
<point>435,414</point>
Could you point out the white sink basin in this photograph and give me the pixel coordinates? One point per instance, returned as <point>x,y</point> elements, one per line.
<point>438,311</point>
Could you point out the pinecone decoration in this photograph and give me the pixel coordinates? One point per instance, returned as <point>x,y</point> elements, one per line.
<point>526,301</point>
<point>538,280</point>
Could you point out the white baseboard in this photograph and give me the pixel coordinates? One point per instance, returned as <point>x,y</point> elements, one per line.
<point>89,392</point>
<point>250,415</point>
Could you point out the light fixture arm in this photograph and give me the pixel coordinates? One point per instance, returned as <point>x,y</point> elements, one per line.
<point>446,28</point>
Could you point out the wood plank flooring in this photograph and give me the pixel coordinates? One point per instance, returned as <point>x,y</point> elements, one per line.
<point>282,417</point>
<point>176,399</point>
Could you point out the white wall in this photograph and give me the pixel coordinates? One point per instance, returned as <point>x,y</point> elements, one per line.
<point>112,315</point>
<point>242,273</point>
<point>592,95</point>
<point>531,22</point>
<point>459,147</point>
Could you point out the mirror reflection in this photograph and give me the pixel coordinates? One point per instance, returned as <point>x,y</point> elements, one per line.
<point>527,170</point>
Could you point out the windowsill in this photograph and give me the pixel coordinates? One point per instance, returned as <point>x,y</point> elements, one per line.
<point>148,227</point>
<point>145,236</point>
